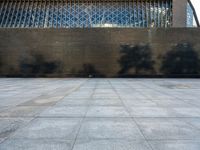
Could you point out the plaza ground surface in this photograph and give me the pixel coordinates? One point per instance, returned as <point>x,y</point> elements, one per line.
<point>99,114</point>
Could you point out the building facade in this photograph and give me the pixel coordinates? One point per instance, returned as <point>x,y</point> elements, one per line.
<point>98,38</point>
<point>92,13</point>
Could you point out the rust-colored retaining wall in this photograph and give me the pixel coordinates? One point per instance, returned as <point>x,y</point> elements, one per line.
<point>99,52</point>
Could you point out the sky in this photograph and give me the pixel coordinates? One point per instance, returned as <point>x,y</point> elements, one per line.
<point>196,4</point>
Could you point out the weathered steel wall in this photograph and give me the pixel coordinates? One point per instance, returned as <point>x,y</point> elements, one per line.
<point>102,52</point>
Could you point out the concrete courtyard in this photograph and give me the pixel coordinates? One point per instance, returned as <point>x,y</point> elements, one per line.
<point>99,114</point>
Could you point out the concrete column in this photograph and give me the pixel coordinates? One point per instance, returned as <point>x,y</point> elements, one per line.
<point>179,13</point>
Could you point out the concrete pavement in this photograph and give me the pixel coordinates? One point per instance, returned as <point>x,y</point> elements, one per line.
<point>99,114</point>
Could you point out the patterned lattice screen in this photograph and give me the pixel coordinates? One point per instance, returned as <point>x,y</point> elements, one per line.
<point>189,16</point>
<point>85,13</point>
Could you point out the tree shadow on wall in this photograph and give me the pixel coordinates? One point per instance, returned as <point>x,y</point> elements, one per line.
<point>181,60</point>
<point>136,57</point>
<point>90,71</point>
<point>38,66</point>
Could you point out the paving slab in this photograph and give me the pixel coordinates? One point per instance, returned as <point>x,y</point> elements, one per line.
<point>22,111</point>
<point>50,128</point>
<point>175,145</point>
<point>110,102</point>
<point>151,112</point>
<point>167,129</point>
<point>111,145</point>
<point>72,102</point>
<point>107,111</point>
<point>193,121</point>
<point>106,128</point>
<point>65,111</point>
<point>139,103</point>
<point>38,144</point>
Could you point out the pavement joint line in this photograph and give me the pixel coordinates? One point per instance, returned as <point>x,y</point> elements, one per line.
<point>100,117</point>
<point>166,139</point>
<point>81,122</point>
<point>151,140</point>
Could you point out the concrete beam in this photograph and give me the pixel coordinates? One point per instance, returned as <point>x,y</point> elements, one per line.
<point>179,13</point>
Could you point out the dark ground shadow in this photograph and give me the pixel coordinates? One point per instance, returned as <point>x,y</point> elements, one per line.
<point>137,57</point>
<point>181,60</point>
<point>38,66</point>
<point>90,71</point>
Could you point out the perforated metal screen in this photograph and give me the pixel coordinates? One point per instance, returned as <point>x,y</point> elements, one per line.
<point>85,13</point>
